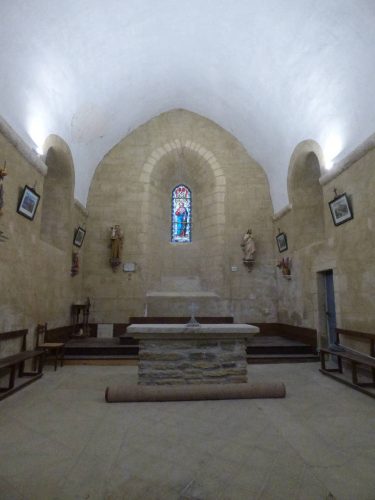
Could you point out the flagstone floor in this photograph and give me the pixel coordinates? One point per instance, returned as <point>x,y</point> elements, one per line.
<point>59,439</point>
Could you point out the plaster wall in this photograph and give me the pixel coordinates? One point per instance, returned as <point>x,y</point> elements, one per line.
<point>35,280</point>
<point>132,188</point>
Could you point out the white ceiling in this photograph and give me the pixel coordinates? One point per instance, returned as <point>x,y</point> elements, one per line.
<point>271,72</point>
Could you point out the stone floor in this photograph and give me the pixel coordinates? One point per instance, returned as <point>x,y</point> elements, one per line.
<point>60,440</point>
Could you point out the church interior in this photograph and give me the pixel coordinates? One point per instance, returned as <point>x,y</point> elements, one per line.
<point>161,161</point>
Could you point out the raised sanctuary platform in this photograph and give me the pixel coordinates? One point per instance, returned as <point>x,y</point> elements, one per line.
<point>181,354</point>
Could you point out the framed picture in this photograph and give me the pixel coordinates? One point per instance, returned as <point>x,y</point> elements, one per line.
<point>282,242</point>
<point>79,236</point>
<point>28,203</point>
<point>340,209</point>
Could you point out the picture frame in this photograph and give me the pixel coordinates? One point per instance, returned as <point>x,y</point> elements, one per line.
<point>341,209</point>
<point>79,236</point>
<point>28,203</point>
<point>282,242</point>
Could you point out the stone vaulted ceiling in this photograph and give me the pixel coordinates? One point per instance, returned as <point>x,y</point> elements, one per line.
<point>271,72</point>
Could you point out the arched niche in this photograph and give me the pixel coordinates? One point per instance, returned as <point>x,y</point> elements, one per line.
<point>57,200</point>
<point>193,166</point>
<point>306,194</point>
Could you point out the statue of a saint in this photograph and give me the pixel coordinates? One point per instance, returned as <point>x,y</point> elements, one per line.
<point>3,173</point>
<point>1,198</point>
<point>248,246</point>
<point>117,237</point>
<point>75,264</point>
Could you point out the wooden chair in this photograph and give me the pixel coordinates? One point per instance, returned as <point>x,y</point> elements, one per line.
<point>53,348</point>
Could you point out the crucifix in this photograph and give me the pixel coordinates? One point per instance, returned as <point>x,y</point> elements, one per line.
<point>193,308</point>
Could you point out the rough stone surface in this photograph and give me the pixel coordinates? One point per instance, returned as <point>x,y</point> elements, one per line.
<point>35,281</point>
<point>157,362</point>
<point>315,244</point>
<point>132,187</point>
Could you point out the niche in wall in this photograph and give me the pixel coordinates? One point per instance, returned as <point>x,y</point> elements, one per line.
<point>306,195</point>
<point>57,198</point>
<point>191,169</point>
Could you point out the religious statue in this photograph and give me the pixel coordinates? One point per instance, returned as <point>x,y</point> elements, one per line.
<point>1,198</point>
<point>117,237</point>
<point>75,264</point>
<point>3,173</point>
<point>248,246</point>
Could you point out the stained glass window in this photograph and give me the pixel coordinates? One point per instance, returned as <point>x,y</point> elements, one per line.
<point>181,214</point>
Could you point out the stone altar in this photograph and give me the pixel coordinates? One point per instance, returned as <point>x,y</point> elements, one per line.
<point>181,354</point>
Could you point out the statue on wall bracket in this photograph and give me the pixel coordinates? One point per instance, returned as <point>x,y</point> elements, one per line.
<point>248,248</point>
<point>117,237</point>
<point>3,173</point>
<point>74,270</point>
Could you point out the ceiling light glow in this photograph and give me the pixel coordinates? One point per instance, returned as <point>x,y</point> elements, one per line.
<point>332,148</point>
<point>37,132</point>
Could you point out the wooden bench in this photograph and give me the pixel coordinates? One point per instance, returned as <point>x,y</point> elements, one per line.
<point>354,359</point>
<point>14,365</point>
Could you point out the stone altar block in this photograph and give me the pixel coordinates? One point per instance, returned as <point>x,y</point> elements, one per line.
<point>181,354</point>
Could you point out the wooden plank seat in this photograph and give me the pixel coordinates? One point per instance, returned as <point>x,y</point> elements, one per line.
<point>355,361</point>
<point>14,365</point>
<point>56,349</point>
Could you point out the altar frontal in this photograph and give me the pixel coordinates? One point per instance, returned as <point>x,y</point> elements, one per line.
<point>171,354</point>
<point>192,362</point>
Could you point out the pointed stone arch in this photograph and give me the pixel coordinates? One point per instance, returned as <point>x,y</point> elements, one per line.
<point>58,188</point>
<point>306,193</point>
<point>205,176</point>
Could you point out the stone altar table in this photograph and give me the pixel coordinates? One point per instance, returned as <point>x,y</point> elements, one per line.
<point>181,354</point>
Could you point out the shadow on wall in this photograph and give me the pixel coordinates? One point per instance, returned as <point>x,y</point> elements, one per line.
<point>57,199</point>
<point>306,194</point>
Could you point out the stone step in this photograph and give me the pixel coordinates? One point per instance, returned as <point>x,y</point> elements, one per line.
<point>280,349</point>
<point>268,345</point>
<point>257,359</point>
<point>262,349</point>
<point>102,347</point>
<point>281,358</point>
<point>99,356</point>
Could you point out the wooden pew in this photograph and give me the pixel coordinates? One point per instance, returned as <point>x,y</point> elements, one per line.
<point>14,365</point>
<point>354,360</point>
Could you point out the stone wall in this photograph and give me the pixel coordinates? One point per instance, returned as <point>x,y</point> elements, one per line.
<point>316,245</point>
<point>192,362</point>
<point>35,264</point>
<point>132,187</point>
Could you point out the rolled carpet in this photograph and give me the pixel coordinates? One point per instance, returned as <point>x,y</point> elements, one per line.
<point>193,392</point>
